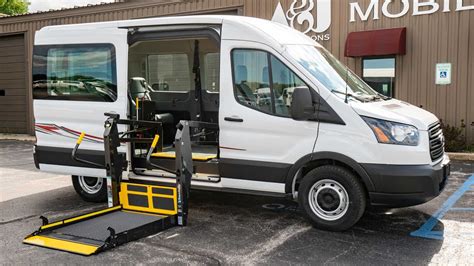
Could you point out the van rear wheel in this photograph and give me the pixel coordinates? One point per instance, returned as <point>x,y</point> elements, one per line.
<point>332,198</point>
<point>90,189</point>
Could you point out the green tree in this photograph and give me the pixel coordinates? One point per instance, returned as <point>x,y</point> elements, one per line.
<point>13,7</point>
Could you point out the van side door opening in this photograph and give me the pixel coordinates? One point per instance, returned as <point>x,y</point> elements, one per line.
<point>174,76</point>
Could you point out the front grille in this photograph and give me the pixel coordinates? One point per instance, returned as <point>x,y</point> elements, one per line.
<point>436,141</point>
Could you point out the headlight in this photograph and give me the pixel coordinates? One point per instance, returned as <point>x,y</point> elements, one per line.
<point>392,132</point>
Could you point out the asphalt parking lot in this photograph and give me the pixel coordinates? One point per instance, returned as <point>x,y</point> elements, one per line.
<point>239,229</point>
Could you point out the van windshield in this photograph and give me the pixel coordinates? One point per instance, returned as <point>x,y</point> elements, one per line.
<point>332,73</point>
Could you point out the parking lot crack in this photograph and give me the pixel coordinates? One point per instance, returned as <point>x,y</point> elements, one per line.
<point>344,252</point>
<point>18,219</point>
<point>184,251</point>
<point>273,243</point>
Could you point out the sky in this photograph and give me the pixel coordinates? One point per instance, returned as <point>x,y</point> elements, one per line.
<point>45,5</point>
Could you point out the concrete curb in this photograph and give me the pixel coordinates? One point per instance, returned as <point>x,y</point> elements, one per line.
<point>21,137</point>
<point>461,156</point>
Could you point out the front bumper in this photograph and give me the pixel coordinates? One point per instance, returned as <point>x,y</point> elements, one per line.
<point>406,185</point>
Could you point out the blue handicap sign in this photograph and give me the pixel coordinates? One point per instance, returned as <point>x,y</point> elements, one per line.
<point>443,74</point>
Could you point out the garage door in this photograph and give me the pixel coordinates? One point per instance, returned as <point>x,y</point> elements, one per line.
<point>13,104</point>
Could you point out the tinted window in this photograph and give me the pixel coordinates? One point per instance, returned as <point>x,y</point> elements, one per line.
<point>284,82</point>
<point>251,79</point>
<point>263,82</point>
<point>169,72</point>
<point>75,72</point>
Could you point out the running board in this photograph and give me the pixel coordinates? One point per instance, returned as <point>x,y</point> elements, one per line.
<point>145,210</point>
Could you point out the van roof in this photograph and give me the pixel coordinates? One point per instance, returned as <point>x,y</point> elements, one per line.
<point>236,27</point>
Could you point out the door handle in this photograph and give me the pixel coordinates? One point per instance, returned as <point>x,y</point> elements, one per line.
<point>233,119</point>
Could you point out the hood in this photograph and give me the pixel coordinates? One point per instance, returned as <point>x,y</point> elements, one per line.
<point>397,111</point>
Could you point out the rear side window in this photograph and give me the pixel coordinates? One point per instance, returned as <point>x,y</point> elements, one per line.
<point>83,72</point>
<point>169,72</point>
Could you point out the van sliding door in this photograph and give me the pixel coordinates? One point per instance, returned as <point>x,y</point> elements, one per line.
<point>76,79</point>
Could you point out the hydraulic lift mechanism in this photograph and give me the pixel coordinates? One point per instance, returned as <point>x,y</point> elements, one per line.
<point>136,209</point>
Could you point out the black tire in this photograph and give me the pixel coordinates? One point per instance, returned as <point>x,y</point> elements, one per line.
<point>326,211</point>
<point>97,194</point>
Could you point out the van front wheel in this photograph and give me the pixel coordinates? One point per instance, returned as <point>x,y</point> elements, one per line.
<point>332,198</point>
<point>90,189</point>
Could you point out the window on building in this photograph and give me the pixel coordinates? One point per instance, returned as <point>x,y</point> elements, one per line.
<point>72,72</point>
<point>379,73</point>
<point>211,72</point>
<point>169,72</point>
<point>263,82</point>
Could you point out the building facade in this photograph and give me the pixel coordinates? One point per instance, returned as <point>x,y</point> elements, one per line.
<point>419,51</point>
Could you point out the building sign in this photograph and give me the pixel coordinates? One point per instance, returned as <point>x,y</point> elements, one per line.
<point>313,17</point>
<point>418,7</point>
<point>443,74</point>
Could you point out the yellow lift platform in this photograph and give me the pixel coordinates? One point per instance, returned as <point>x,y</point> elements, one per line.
<point>144,210</point>
<point>136,210</point>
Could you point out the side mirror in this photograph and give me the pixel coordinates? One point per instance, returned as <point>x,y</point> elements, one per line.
<point>302,107</point>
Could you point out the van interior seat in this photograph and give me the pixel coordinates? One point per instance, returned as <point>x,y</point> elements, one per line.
<point>241,83</point>
<point>165,118</point>
<point>140,89</point>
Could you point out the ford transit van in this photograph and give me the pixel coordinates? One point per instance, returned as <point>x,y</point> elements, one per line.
<point>293,121</point>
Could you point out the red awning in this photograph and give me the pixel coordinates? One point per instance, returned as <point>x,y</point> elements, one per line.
<point>376,42</point>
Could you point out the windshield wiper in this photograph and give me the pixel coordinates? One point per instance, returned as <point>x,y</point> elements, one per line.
<point>362,99</point>
<point>379,96</point>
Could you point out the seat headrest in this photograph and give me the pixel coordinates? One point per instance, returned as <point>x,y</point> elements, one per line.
<point>240,74</point>
<point>137,87</point>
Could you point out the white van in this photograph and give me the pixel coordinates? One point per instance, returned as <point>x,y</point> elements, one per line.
<point>293,121</point>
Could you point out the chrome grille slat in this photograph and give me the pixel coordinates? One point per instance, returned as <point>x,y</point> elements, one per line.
<point>436,147</point>
<point>435,134</point>
<point>434,127</point>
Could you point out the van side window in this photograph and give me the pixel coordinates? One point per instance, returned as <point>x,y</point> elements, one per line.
<point>75,72</point>
<point>169,72</point>
<point>263,82</point>
<point>251,79</point>
<point>284,82</point>
<point>211,72</point>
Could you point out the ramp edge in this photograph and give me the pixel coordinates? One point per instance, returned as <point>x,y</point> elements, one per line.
<point>64,245</point>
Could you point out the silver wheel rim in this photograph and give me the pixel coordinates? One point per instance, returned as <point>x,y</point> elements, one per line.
<point>328,199</point>
<point>91,185</point>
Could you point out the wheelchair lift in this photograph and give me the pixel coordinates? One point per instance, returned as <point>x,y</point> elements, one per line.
<point>136,209</point>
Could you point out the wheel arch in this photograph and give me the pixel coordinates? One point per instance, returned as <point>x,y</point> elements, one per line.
<point>313,160</point>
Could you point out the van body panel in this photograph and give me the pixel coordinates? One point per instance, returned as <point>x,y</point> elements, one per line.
<point>263,31</point>
<point>73,170</point>
<point>357,141</point>
<point>398,111</point>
